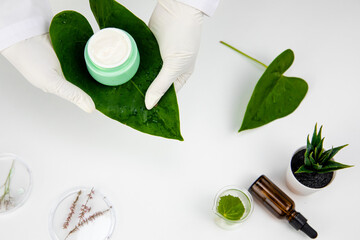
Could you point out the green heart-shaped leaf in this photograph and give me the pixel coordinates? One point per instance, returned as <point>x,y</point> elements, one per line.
<point>275,95</point>
<point>231,207</point>
<point>69,32</point>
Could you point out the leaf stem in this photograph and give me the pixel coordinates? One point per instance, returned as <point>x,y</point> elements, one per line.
<point>244,54</point>
<point>137,88</point>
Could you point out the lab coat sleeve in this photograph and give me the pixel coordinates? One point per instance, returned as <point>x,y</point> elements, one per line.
<point>206,6</point>
<point>23,19</point>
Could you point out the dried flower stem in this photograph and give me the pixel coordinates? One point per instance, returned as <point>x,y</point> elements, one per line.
<point>93,217</point>
<point>7,202</point>
<point>84,208</point>
<point>85,221</point>
<point>72,211</point>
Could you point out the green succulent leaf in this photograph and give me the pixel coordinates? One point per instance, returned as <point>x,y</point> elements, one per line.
<point>308,144</point>
<point>275,95</point>
<point>332,166</point>
<point>324,157</point>
<point>310,161</point>
<point>231,207</point>
<point>306,158</point>
<point>316,138</point>
<point>304,169</point>
<point>317,166</point>
<point>315,153</point>
<point>318,150</point>
<point>309,147</point>
<point>331,153</point>
<point>69,32</point>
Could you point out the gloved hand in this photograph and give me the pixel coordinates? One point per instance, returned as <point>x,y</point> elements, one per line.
<point>177,28</point>
<point>36,60</point>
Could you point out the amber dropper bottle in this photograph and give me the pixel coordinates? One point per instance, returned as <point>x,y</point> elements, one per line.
<point>280,204</point>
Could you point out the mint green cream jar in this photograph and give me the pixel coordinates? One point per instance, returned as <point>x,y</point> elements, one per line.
<point>111,56</point>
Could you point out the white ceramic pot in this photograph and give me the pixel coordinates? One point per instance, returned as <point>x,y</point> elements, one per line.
<point>297,187</point>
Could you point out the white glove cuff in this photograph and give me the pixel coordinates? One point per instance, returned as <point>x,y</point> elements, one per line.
<point>206,6</point>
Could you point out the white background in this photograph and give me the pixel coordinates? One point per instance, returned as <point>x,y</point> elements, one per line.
<point>164,189</point>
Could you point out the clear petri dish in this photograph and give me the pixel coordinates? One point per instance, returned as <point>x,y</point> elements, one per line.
<point>15,182</point>
<point>246,199</point>
<point>97,222</point>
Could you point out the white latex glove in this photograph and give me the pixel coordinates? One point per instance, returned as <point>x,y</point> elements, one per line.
<point>177,28</point>
<point>36,60</point>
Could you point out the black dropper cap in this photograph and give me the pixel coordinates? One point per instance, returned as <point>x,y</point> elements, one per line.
<point>299,222</point>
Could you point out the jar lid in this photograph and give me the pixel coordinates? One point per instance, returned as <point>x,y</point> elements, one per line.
<point>109,47</point>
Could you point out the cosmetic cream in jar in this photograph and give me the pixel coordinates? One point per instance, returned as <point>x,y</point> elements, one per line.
<point>111,56</point>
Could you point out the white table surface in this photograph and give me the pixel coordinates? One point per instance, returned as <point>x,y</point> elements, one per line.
<point>164,189</point>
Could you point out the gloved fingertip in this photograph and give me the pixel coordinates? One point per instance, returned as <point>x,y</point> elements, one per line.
<point>151,100</point>
<point>86,104</point>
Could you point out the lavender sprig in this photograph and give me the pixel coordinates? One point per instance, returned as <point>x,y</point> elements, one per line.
<point>84,208</point>
<point>72,211</point>
<point>85,221</point>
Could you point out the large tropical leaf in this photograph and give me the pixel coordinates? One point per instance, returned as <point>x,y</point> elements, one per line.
<point>275,95</point>
<point>69,32</point>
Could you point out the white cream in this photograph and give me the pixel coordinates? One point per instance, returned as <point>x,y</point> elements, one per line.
<point>109,47</point>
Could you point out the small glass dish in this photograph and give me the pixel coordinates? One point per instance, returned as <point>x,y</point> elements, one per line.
<point>15,182</point>
<point>97,221</point>
<point>246,200</point>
